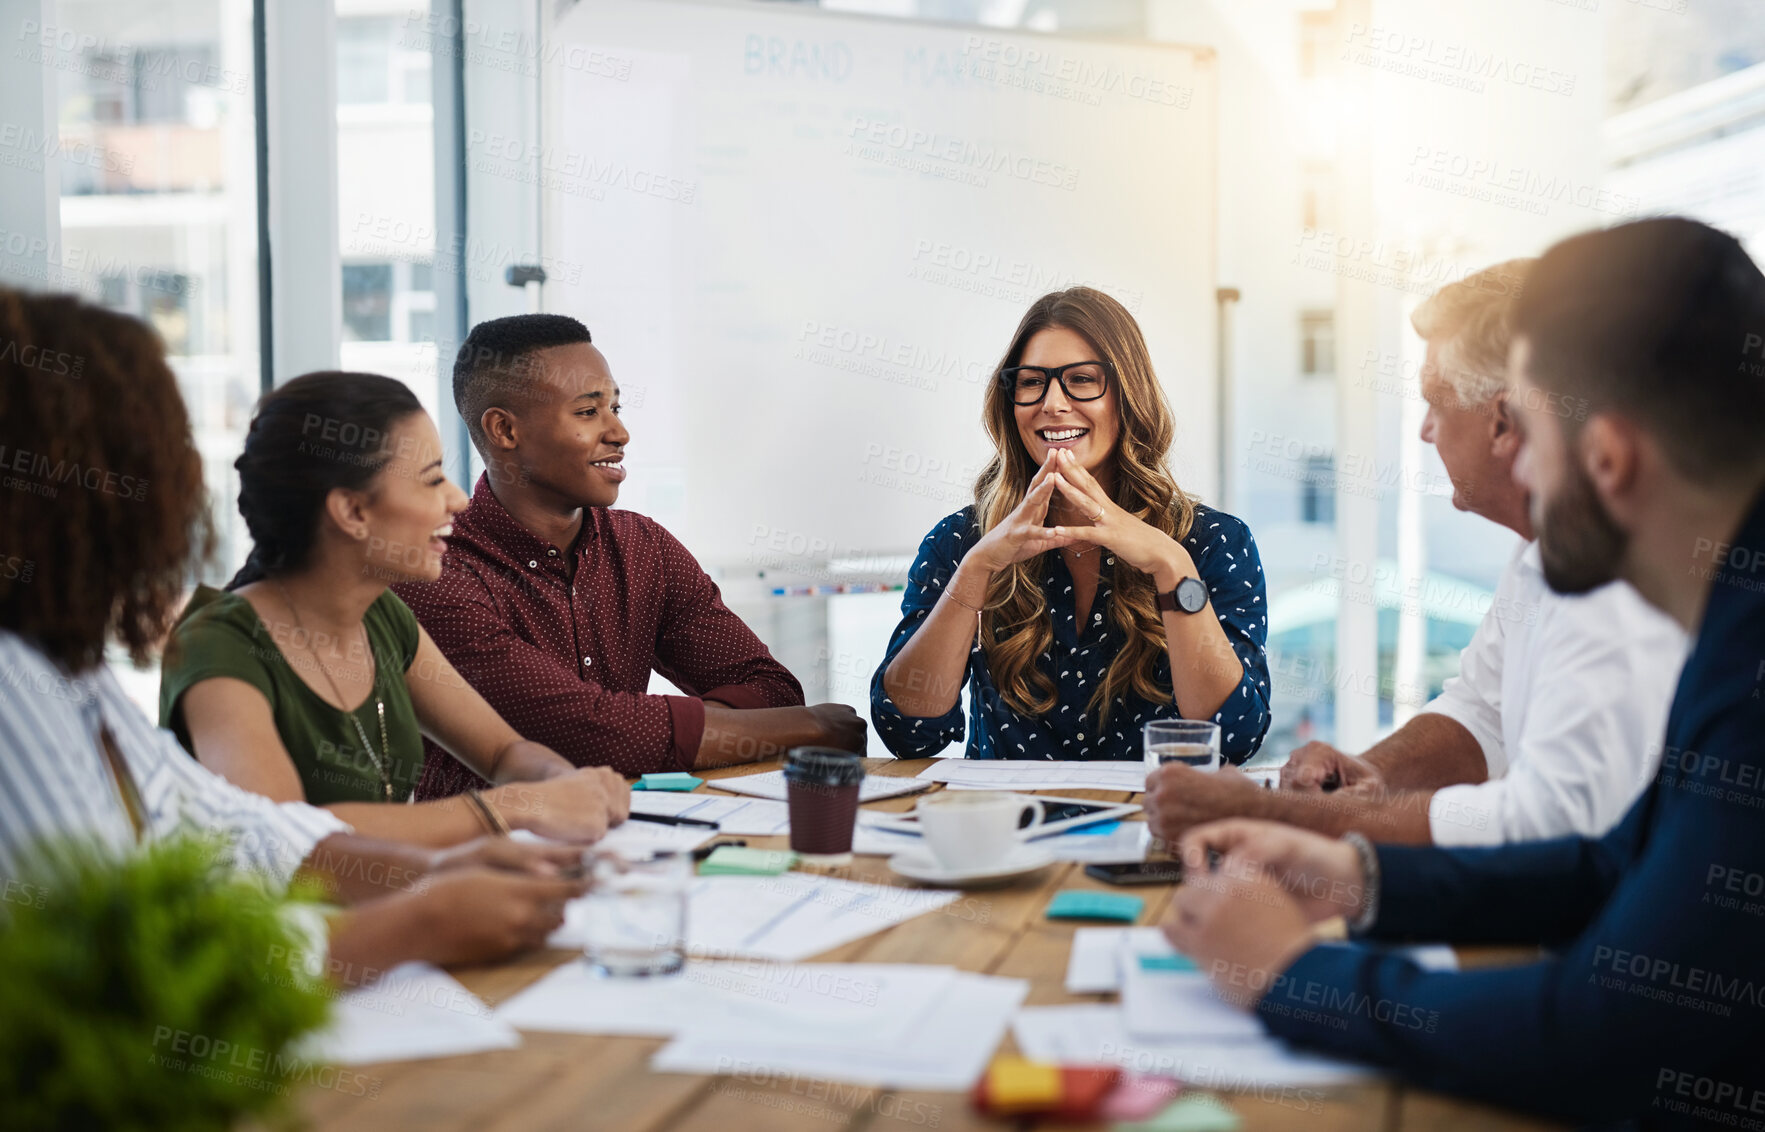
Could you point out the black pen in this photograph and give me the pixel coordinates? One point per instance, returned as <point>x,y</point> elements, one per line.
<point>670,819</point>
<point>704,851</point>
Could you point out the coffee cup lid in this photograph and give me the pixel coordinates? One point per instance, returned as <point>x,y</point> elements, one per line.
<point>826,765</point>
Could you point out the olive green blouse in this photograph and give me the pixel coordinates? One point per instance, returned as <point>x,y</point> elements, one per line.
<point>220,634</point>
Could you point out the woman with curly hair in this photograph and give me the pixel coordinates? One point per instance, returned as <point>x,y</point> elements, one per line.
<point>1084,593</point>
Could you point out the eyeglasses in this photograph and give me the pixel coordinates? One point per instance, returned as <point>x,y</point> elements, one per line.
<point>1080,381</point>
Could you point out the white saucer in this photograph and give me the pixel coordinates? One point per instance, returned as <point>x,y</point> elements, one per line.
<point>919,864</point>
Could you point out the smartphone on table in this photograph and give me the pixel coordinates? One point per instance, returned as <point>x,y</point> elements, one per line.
<point>1137,872</point>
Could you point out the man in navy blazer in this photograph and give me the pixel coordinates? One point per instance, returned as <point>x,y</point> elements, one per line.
<point>1639,363</point>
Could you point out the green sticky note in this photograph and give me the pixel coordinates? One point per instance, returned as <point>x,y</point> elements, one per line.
<point>1167,963</point>
<point>673,780</point>
<point>734,860</point>
<point>1193,1112</point>
<point>1077,904</point>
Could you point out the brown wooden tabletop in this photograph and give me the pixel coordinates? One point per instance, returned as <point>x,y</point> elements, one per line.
<point>575,1081</point>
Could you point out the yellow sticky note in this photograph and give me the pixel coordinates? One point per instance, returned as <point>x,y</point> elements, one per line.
<point>1016,1084</point>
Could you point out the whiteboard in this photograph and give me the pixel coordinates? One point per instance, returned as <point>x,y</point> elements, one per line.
<point>803,240</point>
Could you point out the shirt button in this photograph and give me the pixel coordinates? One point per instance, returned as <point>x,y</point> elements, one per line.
<point>552,551</point>
<point>587,660</point>
<point>1081,736</point>
<point>532,564</point>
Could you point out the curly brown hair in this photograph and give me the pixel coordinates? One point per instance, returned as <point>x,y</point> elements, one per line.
<point>102,507</point>
<point>1019,626</point>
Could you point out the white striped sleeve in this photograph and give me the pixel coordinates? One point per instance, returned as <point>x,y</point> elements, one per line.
<point>54,782</point>
<point>268,838</point>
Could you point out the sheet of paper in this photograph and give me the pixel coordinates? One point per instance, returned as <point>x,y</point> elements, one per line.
<point>752,998</point>
<point>1268,777</point>
<point>1179,1006</point>
<point>636,839</point>
<point>761,817</point>
<point>770,784</point>
<point>1094,966</point>
<point>740,816</point>
<point>414,1011</point>
<point>788,917</point>
<point>1032,774</point>
<point>948,1049</point>
<point>642,838</point>
<point>1098,1035</point>
<point>880,841</point>
<point>1125,844</point>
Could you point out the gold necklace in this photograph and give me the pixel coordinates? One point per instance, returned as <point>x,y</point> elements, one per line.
<point>379,705</point>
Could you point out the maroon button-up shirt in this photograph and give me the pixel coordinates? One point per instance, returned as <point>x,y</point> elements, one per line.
<point>568,665</point>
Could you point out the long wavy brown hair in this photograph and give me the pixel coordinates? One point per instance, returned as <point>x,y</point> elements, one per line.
<point>1017,625</point>
<point>102,508</point>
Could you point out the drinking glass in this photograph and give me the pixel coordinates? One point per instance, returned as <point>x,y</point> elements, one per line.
<point>636,915</point>
<point>1192,742</point>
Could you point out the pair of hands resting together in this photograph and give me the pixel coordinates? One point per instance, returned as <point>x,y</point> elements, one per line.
<point>1253,891</point>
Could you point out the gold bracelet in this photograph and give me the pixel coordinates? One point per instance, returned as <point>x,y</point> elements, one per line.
<point>487,814</point>
<point>951,594</point>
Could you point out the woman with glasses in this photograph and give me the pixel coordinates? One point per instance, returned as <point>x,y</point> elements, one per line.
<point>1084,593</point>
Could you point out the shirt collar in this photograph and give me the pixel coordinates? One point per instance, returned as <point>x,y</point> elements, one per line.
<point>487,523</point>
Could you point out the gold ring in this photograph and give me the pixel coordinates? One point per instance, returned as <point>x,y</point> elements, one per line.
<point>1098,517</point>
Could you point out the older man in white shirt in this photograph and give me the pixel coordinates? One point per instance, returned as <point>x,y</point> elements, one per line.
<point>1553,725</point>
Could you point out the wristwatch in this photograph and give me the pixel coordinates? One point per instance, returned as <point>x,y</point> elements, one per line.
<point>1189,596</point>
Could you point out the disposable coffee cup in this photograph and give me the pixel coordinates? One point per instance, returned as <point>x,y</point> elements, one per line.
<point>821,788</point>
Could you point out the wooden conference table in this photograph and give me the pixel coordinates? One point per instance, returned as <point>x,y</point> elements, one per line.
<point>573,1081</point>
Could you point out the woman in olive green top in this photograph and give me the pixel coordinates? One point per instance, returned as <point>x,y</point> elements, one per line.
<point>309,680</point>
<point>220,635</point>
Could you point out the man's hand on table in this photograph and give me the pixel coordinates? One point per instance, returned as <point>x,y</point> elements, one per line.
<point>1180,797</point>
<point>737,736</point>
<point>1318,767</point>
<point>840,727</point>
<point>1248,917</point>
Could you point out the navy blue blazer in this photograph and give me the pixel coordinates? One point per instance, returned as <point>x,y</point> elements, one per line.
<point>1652,1006</point>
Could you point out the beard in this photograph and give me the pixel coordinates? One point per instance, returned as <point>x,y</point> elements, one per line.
<point>1579,545</point>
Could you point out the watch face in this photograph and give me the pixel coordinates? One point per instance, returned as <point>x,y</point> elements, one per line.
<point>1191,595</point>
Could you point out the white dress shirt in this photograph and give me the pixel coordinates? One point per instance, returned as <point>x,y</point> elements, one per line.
<point>55,780</point>
<point>1568,698</point>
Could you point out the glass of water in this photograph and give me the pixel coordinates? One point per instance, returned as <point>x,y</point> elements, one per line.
<point>1192,742</point>
<point>636,915</point>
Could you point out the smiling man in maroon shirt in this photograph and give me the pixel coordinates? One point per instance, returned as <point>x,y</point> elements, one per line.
<point>557,608</point>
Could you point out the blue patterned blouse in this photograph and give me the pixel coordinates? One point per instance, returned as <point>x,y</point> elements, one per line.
<point>1226,558</point>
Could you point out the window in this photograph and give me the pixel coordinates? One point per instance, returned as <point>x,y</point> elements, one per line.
<point>1317,195</point>
<point>1317,343</point>
<point>1317,490</point>
<point>1317,31</point>
<point>386,193</point>
<point>376,65</point>
<point>159,214</point>
<point>367,302</point>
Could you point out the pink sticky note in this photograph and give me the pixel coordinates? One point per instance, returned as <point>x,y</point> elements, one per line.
<point>1139,1097</point>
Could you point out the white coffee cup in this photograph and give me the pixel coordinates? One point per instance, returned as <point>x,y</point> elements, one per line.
<point>975,829</point>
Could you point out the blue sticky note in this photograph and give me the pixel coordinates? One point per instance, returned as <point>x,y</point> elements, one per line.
<point>673,780</point>
<point>1076,904</point>
<point>1100,828</point>
<point>1167,963</point>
